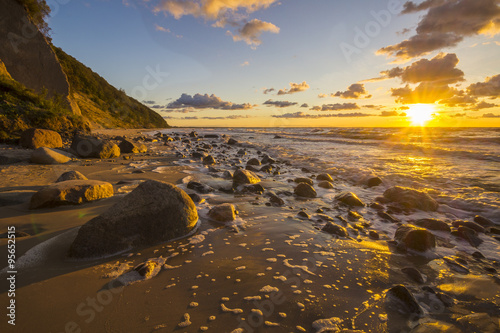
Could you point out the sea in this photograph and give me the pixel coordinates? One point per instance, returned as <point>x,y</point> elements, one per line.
<point>460,167</point>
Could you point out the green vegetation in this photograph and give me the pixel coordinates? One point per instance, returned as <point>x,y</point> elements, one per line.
<point>22,108</point>
<point>38,10</point>
<point>102,103</point>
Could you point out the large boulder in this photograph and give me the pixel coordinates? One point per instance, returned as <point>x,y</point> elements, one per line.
<point>335,229</point>
<point>401,300</point>
<point>414,238</point>
<point>154,212</point>
<point>71,192</point>
<point>71,175</point>
<point>107,149</point>
<point>34,138</point>
<point>325,176</point>
<point>350,199</point>
<point>45,155</point>
<point>433,224</point>
<point>411,198</point>
<point>245,177</point>
<point>90,146</point>
<point>305,190</point>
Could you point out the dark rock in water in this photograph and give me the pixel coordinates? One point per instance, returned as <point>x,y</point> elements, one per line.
<point>197,199</point>
<point>71,192</point>
<point>373,234</point>
<point>376,205</point>
<point>232,141</point>
<point>472,225</point>
<point>193,134</point>
<point>325,184</point>
<point>335,229</point>
<point>199,187</point>
<point>275,200</point>
<point>304,180</point>
<point>145,269</point>
<point>354,216</point>
<point>245,177</point>
<point>44,155</point>
<point>242,152</point>
<point>254,188</point>
<point>266,168</point>
<point>34,138</point>
<point>305,190</point>
<point>253,161</point>
<point>411,198</point>
<point>494,230</point>
<point>211,136</point>
<point>478,255</point>
<point>278,137</point>
<point>433,224</point>
<point>129,147</point>
<point>469,235</point>
<point>445,299</point>
<point>387,217</point>
<point>198,154</point>
<point>324,217</point>
<point>350,199</point>
<point>373,181</point>
<point>153,212</point>
<point>252,168</point>
<point>414,274</point>
<point>209,160</point>
<point>325,176</point>
<point>71,175</point>
<point>483,221</point>
<point>415,238</point>
<point>223,213</point>
<point>456,266</point>
<point>266,159</point>
<point>399,299</point>
<point>303,215</point>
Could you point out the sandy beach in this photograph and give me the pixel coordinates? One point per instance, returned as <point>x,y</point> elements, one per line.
<point>275,268</point>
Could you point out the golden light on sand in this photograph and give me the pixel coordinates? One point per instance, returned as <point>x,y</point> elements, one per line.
<point>420,114</point>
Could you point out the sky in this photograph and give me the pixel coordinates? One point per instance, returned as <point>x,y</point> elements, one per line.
<point>271,63</point>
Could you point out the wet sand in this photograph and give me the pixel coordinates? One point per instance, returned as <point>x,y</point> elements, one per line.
<point>271,272</point>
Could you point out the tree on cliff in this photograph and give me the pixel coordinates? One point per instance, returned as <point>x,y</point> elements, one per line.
<point>38,11</point>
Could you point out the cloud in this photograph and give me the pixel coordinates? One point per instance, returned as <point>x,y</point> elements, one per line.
<point>425,92</point>
<point>354,91</point>
<point>244,64</point>
<point>294,88</point>
<point>336,107</point>
<point>206,101</point>
<point>391,114</point>
<point>489,88</point>
<point>267,91</point>
<point>317,116</point>
<point>446,23</point>
<point>148,102</point>
<point>460,99</point>
<point>251,31</point>
<point>491,115</point>
<point>305,105</point>
<point>163,29</point>
<point>279,104</point>
<point>482,105</point>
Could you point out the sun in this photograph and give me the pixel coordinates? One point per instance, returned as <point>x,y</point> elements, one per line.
<point>420,114</point>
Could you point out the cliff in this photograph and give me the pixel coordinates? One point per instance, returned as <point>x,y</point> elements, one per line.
<point>41,86</point>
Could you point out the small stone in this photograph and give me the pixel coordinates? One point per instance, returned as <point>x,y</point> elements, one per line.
<point>71,175</point>
<point>415,238</point>
<point>305,190</point>
<point>303,180</point>
<point>335,229</point>
<point>325,184</point>
<point>325,176</point>
<point>350,199</point>
<point>223,213</point>
<point>433,224</point>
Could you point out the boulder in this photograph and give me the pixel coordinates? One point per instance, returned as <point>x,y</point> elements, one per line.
<point>199,187</point>
<point>232,141</point>
<point>71,192</point>
<point>107,149</point>
<point>275,200</point>
<point>209,160</point>
<point>253,161</point>
<point>411,198</point>
<point>304,180</point>
<point>483,221</point>
<point>469,235</point>
<point>34,138</point>
<point>305,190</point>
<point>399,299</point>
<point>372,181</point>
<point>85,145</point>
<point>414,238</point>
<point>325,184</point>
<point>71,175</point>
<point>266,159</point>
<point>325,176</point>
<point>335,229</point>
<point>129,147</point>
<point>433,224</point>
<point>245,177</point>
<point>197,199</point>
<point>223,213</point>
<point>153,212</point>
<point>472,225</point>
<point>266,168</point>
<point>414,274</point>
<point>350,199</point>
<point>45,155</point>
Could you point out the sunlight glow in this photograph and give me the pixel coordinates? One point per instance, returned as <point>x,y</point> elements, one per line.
<point>420,114</point>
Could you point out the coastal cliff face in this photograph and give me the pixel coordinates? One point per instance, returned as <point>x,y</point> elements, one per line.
<point>28,57</point>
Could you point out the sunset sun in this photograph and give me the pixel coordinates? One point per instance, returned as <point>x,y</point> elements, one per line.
<point>420,114</point>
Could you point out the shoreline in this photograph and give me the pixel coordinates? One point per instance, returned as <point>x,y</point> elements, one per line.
<point>344,277</point>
